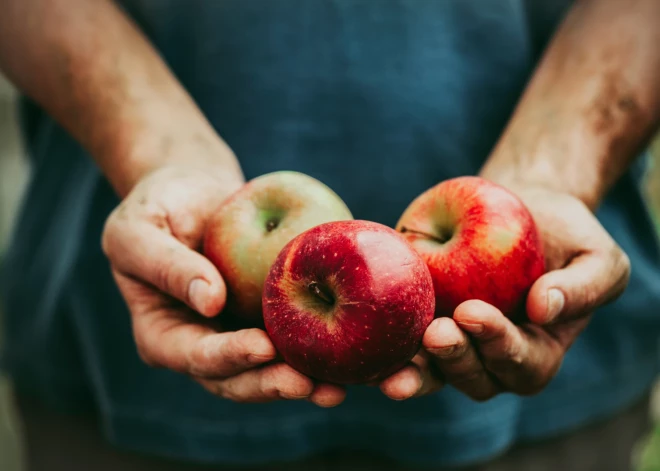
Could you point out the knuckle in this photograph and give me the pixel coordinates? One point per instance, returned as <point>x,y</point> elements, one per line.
<point>187,224</point>
<point>268,381</point>
<point>217,388</point>
<point>163,274</point>
<point>513,352</point>
<point>149,349</point>
<point>483,395</point>
<point>468,377</point>
<point>228,394</point>
<point>238,341</point>
<point>509,355</point>
<point>147,357</point>
<point>221,355</point>
<point>155,213</point>
<point>201,359</point>
<point>452,353</point>
<point>535,381</point>
<point>230,352</point>
<point>503,365</point>
<point>545,376</point>
<point>109,234</point>
<point>227,389</point>
<point>532,386</point>
<point>515,358</point>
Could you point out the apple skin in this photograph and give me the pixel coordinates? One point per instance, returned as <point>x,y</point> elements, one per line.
<point>251,227</point>
<point>479,241</point>
<point>348,302</point>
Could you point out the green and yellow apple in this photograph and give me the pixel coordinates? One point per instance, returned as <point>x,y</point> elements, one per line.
<point>251,227</point>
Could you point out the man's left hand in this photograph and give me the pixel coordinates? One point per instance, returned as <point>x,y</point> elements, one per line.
<point>482,353</point>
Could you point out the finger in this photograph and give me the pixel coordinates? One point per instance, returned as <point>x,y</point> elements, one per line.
<point>265,384</point>
<point>327,395</point>
<point>228,353</point>
<point>523,360</point>
<point>590,280</point>
<point>167,338</point>
<point>147,253</point>
<point>195,350</point>
<point>403,384</point>
<point>457,359</point>
<point>416,379</point>
<point>432,379</point>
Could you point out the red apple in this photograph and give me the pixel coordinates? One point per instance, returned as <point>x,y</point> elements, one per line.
<point>251,227</point>
<point>348,302</point>
<point>479,241</point>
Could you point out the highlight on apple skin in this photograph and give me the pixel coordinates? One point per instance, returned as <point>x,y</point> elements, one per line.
<point>250,228</point>
<point>479,241</point>
<point>348,302</point>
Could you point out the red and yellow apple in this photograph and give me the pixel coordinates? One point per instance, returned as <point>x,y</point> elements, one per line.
<point>252,226</point>
<point>348,302</point>
<point>479,241</point>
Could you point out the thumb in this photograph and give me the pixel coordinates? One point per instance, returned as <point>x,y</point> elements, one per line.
<point>590,280</point>
<point>141,250</point>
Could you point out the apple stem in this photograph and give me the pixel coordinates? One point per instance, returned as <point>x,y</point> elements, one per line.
<point>271,224</point>
<point>444,237</point>
<point>316,289</point>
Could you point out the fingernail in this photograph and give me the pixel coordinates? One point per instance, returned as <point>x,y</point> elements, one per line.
<point>261,349</point>
<point>412,387</point>
<point>292,397</point>
<point>197,293</point>
<point>255,358</point>
<point>443,351</point>
<point>556,302</point>
<point>475,329</point>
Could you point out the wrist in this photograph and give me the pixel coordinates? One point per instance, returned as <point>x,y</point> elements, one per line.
<point>143,150</point>
<point>581,178</point>
<point>568,153</point>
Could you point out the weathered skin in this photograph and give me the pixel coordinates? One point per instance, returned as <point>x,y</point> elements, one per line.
<point>255,223</point>
<point>479,241</point>
<point>348,302</point>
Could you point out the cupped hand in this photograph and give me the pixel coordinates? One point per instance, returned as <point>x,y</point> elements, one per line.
<point>152,240</point>
<point>481,352</point>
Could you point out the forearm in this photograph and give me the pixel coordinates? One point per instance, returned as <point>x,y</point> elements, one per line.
<point>88,66</point>
<point>592,104</point>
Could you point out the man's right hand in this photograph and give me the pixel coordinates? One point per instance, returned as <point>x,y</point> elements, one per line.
<point>151,240</point>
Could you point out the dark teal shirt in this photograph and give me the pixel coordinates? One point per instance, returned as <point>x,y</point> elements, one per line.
<point>379,99</point>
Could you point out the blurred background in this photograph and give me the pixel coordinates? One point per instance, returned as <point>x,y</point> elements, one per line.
<point>13,176</point>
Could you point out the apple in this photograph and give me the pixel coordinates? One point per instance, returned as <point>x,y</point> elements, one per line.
<point>348,302</point>
<point>479,241</point>
<point>251,227</point>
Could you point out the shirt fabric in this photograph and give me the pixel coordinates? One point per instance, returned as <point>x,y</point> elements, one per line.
<point>380,100</point>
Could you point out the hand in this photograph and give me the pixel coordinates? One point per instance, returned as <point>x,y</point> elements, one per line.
<point>482,353</point>
<point>151,241</point>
